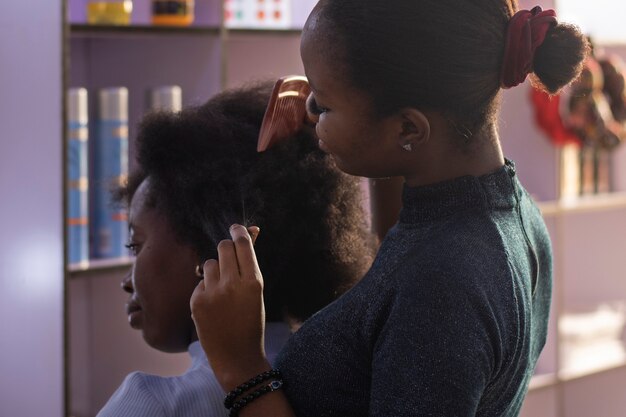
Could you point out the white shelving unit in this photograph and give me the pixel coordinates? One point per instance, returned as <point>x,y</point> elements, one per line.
<point>589,242</point>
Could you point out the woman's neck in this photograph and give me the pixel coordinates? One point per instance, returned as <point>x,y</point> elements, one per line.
<point>445,158</point>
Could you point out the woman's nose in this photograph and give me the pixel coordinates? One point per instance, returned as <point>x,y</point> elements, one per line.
<point>127,282</point>
<point>311,105</point>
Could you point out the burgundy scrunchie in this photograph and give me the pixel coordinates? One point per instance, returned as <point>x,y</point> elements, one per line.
<point>526,31</point>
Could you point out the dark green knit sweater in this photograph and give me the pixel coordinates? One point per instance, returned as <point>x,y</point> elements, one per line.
<point>449,321</point>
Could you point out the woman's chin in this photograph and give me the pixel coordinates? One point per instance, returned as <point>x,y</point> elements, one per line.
<point>164,344</point>
<point>322,145</point>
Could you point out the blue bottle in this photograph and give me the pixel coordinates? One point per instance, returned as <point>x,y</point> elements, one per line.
<point>110,225</point>
<point>77,177</point>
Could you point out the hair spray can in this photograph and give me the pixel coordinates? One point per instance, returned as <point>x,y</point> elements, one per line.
<point>166,98</point>
<point>110,231</point>
<point>77,176</point>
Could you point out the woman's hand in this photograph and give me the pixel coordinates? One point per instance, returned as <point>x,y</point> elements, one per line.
<point>227,308</point>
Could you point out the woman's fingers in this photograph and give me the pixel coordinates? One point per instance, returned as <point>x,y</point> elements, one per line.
<point>254,232</point>
<point>210,280</point>
<point>245,256</point>
<point>228,311</point>
<point>197,293</point>
<point>211,273</point>
<point>236,257</point>
<point>196,302</point>
<point>228,267</point>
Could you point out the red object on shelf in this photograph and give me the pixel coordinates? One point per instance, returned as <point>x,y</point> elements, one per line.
<point>548,118</point>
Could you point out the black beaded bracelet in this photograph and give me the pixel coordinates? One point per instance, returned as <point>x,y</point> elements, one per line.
<point>239,404</point>
<point>230,398</point>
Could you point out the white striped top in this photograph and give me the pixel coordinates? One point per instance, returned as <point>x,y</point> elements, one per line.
<point>195,393</point>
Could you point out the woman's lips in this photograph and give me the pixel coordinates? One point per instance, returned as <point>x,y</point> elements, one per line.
<point>134,315</point>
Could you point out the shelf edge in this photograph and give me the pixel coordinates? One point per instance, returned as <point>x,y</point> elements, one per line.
<point>86,30</point>
<point>584,204</point>
<point>98,265</point>
<point>565,375</point>
<point>541,381</point>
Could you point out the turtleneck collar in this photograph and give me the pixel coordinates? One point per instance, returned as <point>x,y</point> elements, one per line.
<point>497,190</point>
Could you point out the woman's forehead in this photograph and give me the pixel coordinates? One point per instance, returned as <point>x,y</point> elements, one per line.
<point>139,201</point>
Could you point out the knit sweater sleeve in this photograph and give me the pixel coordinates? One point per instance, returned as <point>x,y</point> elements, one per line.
<point>434,354</point>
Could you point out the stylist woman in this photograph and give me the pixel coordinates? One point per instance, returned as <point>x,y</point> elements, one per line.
<point>452,316</point>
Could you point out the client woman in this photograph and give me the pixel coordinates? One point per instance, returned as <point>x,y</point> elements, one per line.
<point>198,173</point>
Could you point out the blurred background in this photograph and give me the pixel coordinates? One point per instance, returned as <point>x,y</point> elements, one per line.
<point>69,67</point>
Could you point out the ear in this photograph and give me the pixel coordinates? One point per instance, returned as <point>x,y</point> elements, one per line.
<point>414,128</point>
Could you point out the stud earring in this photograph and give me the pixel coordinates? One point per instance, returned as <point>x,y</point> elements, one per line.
<point>407,147</point>
<point>199,271</point>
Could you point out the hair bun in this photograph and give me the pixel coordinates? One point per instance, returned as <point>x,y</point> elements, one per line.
<point>559,60</point>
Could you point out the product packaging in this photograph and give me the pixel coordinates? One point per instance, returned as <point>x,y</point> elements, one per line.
<point>110,226</point>
<point>166,98</point>
<point>111,12</point>
<point>77,176</point>
<point>173,12</point>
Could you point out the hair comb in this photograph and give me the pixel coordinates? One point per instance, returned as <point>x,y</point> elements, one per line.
<point>286,111</point>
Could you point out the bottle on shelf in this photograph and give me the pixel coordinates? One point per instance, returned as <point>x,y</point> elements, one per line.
<point>77,176</point>
<point>257,14</point>
<point>166,98</point>
<point>173,12</point>
<point>109,12</point>
<point>110,228</point>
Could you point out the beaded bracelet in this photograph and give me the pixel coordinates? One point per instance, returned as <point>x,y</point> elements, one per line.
<point>230,398</point>
<point>239,404</point>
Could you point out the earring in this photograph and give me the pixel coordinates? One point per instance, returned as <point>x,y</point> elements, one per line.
<point>407,147</point>
<point>199,271</point>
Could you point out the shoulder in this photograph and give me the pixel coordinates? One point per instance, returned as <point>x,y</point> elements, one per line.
<point>135,397</point>
<point>196,392</point>
<point>463,250</point>
<point>452,292</point>
<point>446,270</point>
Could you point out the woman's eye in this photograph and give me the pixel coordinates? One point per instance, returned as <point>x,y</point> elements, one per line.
<point>314,108</point>
<point>133,248</point>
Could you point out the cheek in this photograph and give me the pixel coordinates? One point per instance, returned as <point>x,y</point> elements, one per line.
<point>137,278</point>
<point>334,132</point>
<point>167,322</point>
<point>149,281</point>
<point>321,127</point>
<point>320,132</point>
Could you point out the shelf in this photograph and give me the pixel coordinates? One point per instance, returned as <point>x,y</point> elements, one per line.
<point>594,203</point>
<point>568,375</point>
<point>551,379</point>
<point>540,381</point>
<point>99,265</point>
<point>85,30</point>
<point>261,32</point>
<point>91,31</point>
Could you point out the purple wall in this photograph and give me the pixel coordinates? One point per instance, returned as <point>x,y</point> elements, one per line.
<point>535,157</point>
<point>31,247</point>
